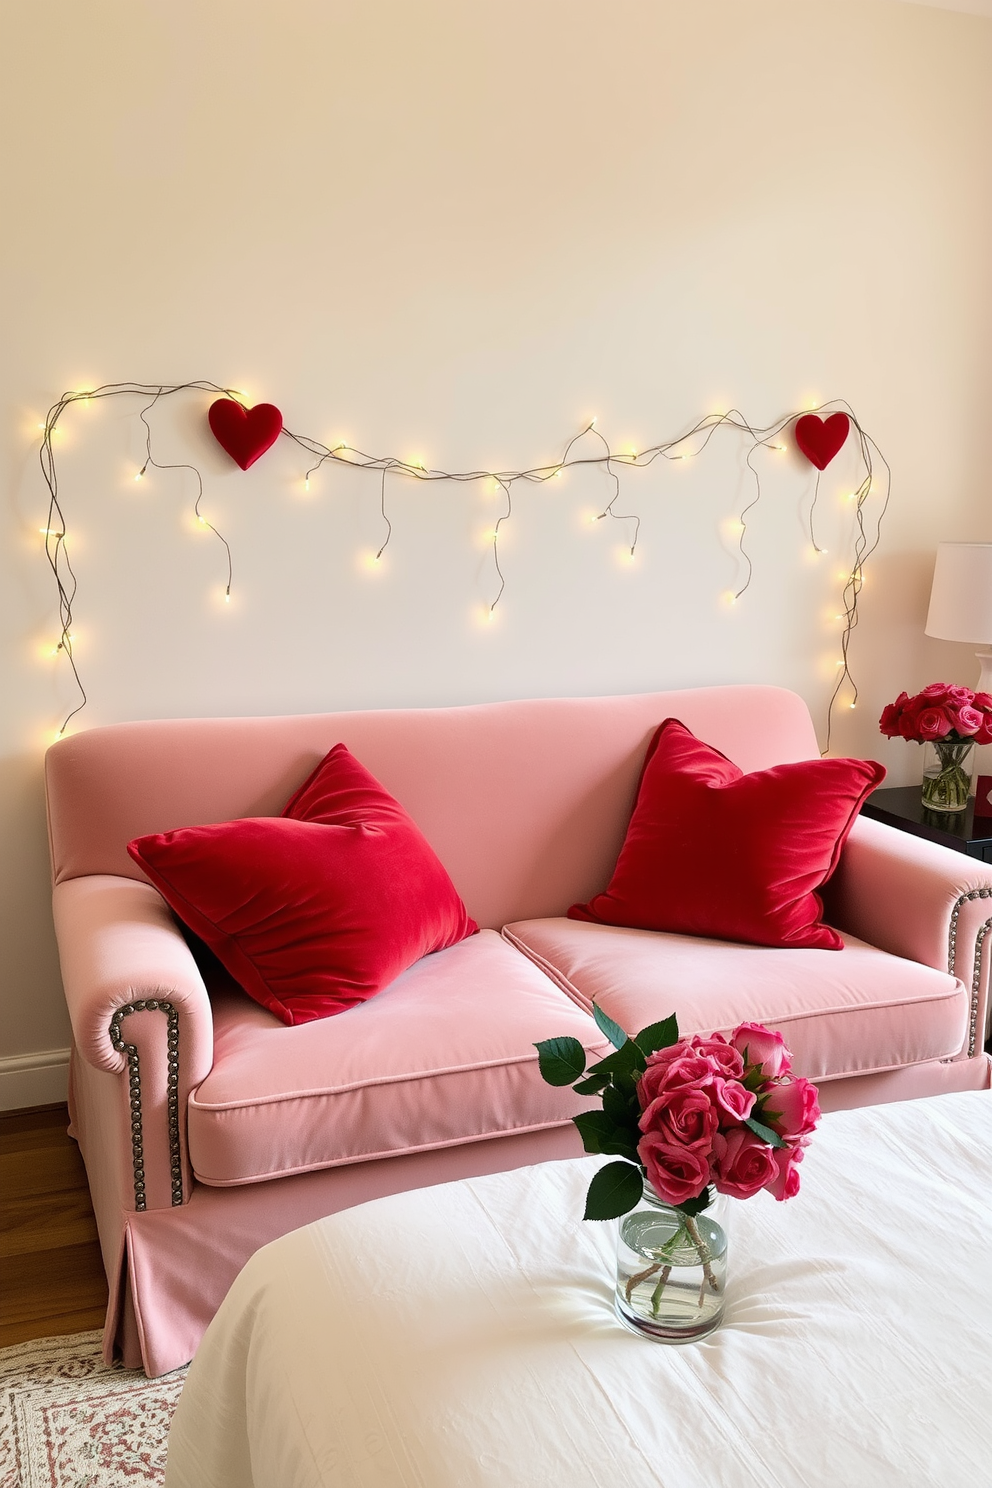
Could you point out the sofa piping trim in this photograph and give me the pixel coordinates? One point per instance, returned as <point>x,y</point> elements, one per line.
<point>952,940</point>
<point>151,1005</point>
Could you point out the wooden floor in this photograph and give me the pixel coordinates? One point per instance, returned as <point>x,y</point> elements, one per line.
<point>51,1274</point>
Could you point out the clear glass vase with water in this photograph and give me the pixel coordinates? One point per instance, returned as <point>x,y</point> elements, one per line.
<point>672,1269</point>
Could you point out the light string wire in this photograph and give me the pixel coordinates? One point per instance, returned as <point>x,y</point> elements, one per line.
<point>55,530</point>
<point>687,445</point>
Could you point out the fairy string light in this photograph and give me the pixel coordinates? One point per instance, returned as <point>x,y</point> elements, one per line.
<point>687,445</point>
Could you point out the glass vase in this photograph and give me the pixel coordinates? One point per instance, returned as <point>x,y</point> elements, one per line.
<point>672,1269</point>
<point>947,770</point>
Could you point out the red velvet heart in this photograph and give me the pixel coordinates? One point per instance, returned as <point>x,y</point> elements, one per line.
<point>820,439</point>
<point>245,433</point>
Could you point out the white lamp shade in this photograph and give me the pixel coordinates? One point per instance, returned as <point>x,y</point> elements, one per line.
<point>961,596</point>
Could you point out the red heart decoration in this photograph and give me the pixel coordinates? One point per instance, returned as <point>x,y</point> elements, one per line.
<point>245,433</point>
<point>820,439</point>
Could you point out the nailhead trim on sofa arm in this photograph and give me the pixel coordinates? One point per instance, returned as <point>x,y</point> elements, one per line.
<point>134,1086</point>
<point>977,970</point>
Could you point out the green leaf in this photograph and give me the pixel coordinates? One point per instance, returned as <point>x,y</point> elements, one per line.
<point>562,1060</point>
<point>592,1085</point>
<point>626,1060</point>
<point>658,1035</point>
<point>600,1134</point>
<point>613,1191</point>
<point>696,1205</point>
<point>622,1108</point>
<point>764,1132</point>
<point>606,1025</point>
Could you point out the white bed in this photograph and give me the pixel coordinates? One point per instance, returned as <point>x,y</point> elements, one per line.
<point>464,1335</point>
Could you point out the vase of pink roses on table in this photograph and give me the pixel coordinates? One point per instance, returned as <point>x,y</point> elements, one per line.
<point>948,721</point>
<point>694,1122</point>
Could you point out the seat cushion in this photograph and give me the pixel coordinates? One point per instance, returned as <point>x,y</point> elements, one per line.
<point>851,1012</point>
<point>443,1055</point>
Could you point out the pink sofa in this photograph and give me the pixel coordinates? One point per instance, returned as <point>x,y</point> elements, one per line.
<point>208,1128</point>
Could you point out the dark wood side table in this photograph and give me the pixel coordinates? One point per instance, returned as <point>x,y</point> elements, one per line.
<point>902,806</point>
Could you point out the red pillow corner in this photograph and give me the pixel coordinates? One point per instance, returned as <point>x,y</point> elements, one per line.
<point>714,852</point>
<point>316,910</point>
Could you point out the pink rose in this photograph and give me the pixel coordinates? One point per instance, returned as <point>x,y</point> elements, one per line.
<point>732,1099</point>
<point>742,1163</point>
<point>785,1183</point>
<point>984,734</point>
<point>933,723</point>
<point>684,1114</point>
<point>982,700</point>
<point>760,1046</point>
<point>721,1055</point>
<point>941,693</point>
<point>792,1109</point>
<point>676,1173</point>
<point>967,720</point>
<point>669,1068</point>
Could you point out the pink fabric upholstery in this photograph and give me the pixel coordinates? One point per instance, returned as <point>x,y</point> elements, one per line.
<point>525,803</point>
<point>443,1056</point>
<point>855,1011</point>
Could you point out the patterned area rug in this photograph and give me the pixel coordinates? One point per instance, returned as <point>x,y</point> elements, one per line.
<point>67,1421</point>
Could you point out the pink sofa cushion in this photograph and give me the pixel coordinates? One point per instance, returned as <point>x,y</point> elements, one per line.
<point>853,1012</point>
<point>319,909</point>
<point>711,850</point>
<point>444,1055</point>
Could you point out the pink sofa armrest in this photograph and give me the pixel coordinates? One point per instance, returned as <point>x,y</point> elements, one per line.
<point>920,901</point>
<point>118,943</point>
<point>139,1009</point>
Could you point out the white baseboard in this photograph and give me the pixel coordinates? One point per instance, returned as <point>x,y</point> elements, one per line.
<point>33,1079</point>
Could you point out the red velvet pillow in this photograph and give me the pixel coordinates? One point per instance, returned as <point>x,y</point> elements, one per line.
<point>711,851</point>
<point>316,910</point>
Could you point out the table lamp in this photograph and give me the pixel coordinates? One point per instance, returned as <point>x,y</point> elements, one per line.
<point>961,600</point>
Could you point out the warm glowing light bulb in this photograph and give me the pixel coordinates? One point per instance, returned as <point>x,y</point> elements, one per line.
<point>227,596</point>
<point>306,483</point>
<point>853,706</point>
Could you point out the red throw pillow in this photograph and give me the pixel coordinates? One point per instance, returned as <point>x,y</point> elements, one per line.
<point>712,851</point>
<point>318,909</point>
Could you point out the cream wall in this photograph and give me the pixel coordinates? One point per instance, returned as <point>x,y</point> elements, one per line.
<point>456,231</point>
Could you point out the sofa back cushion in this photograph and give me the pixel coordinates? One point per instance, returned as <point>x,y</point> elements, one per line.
<point>525,803</point>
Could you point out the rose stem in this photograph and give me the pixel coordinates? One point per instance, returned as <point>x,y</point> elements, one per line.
<point>656,1294</point>
<point>633,1281</point>
<point>697,1241</point>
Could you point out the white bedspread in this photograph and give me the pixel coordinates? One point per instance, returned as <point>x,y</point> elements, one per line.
<point>464,1336</point>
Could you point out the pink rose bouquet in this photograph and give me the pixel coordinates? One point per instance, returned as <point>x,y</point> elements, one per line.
<point>940,711</point>
<point>690,1115</point>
